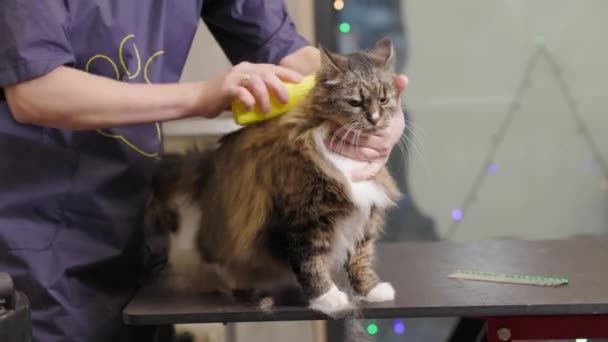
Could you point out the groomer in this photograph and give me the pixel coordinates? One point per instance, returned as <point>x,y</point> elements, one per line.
<point>84,86</point>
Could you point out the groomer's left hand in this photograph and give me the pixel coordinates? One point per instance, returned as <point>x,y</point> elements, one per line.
<point>375,149</point>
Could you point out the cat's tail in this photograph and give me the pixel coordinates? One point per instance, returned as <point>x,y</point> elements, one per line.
<point>175,174</point>
<point>159,215</point>
<point>177,177</point>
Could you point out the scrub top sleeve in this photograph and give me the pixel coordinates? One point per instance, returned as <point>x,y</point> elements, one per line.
<point>33,39</point>
<point>258,31</point>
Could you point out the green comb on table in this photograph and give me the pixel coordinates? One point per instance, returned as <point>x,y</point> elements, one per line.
<point>508,278</point>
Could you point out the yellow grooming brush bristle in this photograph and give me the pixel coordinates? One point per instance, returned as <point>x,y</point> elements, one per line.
<point>297,92</point>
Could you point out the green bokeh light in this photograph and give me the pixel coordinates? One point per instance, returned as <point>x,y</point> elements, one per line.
<point>581,340</point>
<point>540,39</point>
<point>344,27</point>
<point>372,329</point>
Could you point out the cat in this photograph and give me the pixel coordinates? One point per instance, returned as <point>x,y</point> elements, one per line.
<point>272,205</point>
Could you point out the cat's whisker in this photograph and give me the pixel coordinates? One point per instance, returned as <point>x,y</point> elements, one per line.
<point>411,139</point>
<point>405,146</point>
<point>340,143</point>
<point>343,140</point>
<point>335,135</point>
<point>353,130</point>
<point>411,143</point>
<point>357,137</point>
<point>416,131</point>
<point>403,149</point>
<point>337,132</point>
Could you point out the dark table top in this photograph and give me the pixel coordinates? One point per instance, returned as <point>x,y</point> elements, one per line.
<point>419,272</point>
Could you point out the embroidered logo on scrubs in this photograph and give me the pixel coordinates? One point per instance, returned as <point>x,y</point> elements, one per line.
<point>130,75</point>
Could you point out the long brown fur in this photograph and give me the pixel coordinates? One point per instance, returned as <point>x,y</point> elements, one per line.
<point>270,202</point>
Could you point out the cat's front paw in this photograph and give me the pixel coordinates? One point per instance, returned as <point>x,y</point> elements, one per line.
<point>380,293</point>
<point>331,302</point>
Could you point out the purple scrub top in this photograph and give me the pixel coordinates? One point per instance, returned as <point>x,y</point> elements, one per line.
<point>71,201</point>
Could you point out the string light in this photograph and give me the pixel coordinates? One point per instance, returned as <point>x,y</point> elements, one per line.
<point>398,327</point>
<point>344,27</point>
<point>592,163</point>
<point>372,329</point>
<point>457,214</point>
<point>540,39</point>
<point>581,127</point>
<point>338,5</point>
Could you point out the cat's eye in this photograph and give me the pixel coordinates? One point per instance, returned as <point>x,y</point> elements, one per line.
<point>384,100</point>
<point>355,103</point>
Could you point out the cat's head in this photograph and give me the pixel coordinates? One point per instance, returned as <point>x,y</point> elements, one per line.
<point>357,90</point>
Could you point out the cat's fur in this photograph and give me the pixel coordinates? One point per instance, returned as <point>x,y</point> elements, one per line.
<point>272,204</point>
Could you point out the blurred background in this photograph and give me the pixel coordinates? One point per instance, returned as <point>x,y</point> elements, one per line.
<point>507,114</point>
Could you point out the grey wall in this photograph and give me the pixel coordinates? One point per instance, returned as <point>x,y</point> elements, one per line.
<point>467,58</point>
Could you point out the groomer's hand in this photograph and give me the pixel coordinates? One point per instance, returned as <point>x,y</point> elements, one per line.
<point>250,83</point>
<point>375,149</point>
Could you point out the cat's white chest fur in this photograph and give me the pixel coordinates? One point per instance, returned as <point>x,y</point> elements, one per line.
<point>364,195</point>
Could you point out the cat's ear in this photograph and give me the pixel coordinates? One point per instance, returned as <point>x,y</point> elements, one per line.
<point>385,52</point>
<point>332,65</point>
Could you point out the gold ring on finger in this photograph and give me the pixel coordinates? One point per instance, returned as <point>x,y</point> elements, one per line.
<point>244,80</point>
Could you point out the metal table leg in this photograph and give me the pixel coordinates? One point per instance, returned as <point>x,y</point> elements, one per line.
<point>469,330</point>
<point>230,332</point>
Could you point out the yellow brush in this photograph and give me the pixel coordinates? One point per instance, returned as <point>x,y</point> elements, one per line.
<point>297,92</point>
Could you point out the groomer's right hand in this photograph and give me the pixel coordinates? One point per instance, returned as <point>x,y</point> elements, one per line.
<point>248,82</point>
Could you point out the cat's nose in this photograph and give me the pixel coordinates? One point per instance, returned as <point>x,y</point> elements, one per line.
<point>373,118</point>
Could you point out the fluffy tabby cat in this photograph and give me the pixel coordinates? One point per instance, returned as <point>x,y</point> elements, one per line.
<point>272,205</point>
